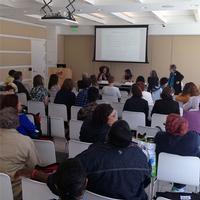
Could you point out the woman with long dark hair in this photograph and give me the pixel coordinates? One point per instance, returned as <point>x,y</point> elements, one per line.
<point>96,129</point>
<point>153,81</point>
<point>66,96</point>
<point>53,85</point>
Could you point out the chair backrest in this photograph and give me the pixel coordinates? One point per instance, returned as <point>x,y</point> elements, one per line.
<point>76,147</point>
<point>74,128</point>
<point>158,120</point>
<point>92,196</point>
<point>36,107</point>
<point>162,198</point>
<point>57,110</point>
<point>101,102</point>
<point>150,132</point>
<point>57,127</point>
<point>74,111</point>
<point>22,98</point>
<point>124,94</point>
<point>150,110</point>
<point>134,119</point>
<point>118,106</point>
<point>181,111</point>
<point>52,98</point>
<point>179,169</point>
<point>46,151</point>
<point>5,187</point>
<point>44,125</point>
<point>109,98</point>
<point>32,190</point>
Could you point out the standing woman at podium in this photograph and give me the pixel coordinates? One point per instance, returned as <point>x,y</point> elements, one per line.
<point>104,73</point>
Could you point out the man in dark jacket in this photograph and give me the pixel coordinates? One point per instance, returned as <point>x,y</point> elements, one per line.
<point>20,86</point>
<point>118,168</point>
<point>175,79</point>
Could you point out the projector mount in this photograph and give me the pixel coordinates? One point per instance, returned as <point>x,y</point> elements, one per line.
<point>49,14</point>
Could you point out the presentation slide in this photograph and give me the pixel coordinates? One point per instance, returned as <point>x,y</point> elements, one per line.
<point>123,44</point>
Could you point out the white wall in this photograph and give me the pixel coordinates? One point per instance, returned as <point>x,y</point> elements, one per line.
<point>159,29</point>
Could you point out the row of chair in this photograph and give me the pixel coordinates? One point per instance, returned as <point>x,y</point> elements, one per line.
<point>171,168</point>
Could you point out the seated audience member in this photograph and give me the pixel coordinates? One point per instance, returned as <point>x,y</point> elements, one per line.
<point>189,90</point>
<point>9,80</point>
<point>68,182</point>
<point>94,82</point>
<point>16,151</point>
<point>20,86</point>
<point>26,127</point>
<point>96,129</point>
<point>193,118</point>
<point>53,85</point>
<point>9,90</point>
<point>140,79</point>
<point>153,81</point>
<point>157,92</point>
<point>39,92</point>
<point>82,97</point>
<point>66,96</point>
<point>86,112</point>
<point>177,140</point>
<point>136,103</point>
<point>128,76</point>
<point>104,73</point>
<point>118,168</point>
<point>193,104</point>
<point>166,105</point>
<point>145,95</point>
<point>111,90</point>
<point>80,83</point>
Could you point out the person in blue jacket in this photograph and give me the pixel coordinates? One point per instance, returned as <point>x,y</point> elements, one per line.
<point>26,127</point>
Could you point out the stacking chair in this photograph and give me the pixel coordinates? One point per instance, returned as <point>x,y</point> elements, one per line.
<point>57,110</point>
<point>46,151</point>
<point>57,127</point>
<point>34,190</point>
<point>102,101</point>
<point>179,169</point>
<point>74,129</point>
<point>158,120</point>
<point>76,147</point>
<point>124,94</point>
<point>44,125</point>
<point>36,107</point>
<point>109,99</point>
<point>22,98</point>
<point>74,111</point>
<point>92,196</point>
<point>5,187</point>
<point>134,119</point>
<point>118,106</point>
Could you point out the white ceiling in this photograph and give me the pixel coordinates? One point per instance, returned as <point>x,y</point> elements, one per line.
<point>109,12</point>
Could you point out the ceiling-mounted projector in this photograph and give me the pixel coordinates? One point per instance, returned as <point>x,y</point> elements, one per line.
<point>58,16</point>
<point>67,15</point>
